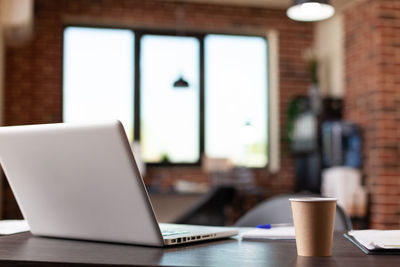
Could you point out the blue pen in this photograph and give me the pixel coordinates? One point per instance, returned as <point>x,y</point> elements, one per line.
<point>270,225</point>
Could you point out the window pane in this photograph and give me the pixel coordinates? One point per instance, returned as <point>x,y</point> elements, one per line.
<point>169,116</point>
<point>236,99</point>
<point>98,75</point>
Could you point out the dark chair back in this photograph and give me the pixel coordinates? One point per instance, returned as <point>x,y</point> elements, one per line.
<point>278,210</point>
<point>210,209</point>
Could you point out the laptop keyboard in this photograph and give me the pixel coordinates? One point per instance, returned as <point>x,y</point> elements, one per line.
<point>173,232</point>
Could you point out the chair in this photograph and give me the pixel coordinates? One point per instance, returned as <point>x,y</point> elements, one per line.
<point>210,209</point>
<point>278,210</point>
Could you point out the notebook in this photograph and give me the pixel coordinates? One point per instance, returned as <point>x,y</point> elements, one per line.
<point>9,227</point>
<point>280,233</point>
<point>376,241</point>
<point>81,181</point>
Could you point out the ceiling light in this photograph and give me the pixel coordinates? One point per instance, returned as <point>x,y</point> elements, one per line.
<point>310,10</point>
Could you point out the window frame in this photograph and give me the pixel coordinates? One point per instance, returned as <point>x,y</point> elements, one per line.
<point>200,36</point>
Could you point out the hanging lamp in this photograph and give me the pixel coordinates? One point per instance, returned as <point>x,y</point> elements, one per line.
<point>181,83</point>
<point>310,10</point>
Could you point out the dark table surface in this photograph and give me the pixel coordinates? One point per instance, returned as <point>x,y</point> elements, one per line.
<point>26,250</point>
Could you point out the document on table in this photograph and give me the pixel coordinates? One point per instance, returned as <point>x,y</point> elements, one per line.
<point>273,233</point>
<point>8,227</point>
<point>371,241</point>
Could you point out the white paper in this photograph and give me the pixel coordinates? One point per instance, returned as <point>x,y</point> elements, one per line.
<point>8,227</point>
<point>377,239</point>
<point>273,233</point>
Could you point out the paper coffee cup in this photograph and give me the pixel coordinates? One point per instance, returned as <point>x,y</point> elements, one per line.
<point>314,220</point>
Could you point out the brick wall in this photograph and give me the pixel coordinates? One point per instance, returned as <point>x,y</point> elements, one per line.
<point>33,85</point>
<point>372,33</point>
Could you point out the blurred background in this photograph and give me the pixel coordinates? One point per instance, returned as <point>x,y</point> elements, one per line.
<point>226,103</point>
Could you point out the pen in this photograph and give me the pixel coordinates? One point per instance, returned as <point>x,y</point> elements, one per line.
<point>270,225</point>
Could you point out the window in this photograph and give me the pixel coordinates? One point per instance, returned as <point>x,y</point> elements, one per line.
<point>169,120</point>
<point>223,112</point>
<point>236,97</point>
<point>98,75</point>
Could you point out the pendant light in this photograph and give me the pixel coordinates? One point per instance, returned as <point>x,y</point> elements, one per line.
<point>310,10</point>
<point>181,83</point>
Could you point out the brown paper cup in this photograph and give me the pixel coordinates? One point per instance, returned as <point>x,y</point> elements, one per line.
<point>314,220</point>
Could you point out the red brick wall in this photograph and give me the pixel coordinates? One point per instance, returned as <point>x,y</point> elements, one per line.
<point>372,33</point>
<point>33,86</point>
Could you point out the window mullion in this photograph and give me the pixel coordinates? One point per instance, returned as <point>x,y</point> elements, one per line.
<point>136,59</point>
<point>202,97</point>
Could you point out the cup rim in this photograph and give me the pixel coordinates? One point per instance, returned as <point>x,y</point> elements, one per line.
<point>313,199</point>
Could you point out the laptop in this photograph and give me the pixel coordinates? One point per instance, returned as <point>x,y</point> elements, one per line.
<point>81,181</point>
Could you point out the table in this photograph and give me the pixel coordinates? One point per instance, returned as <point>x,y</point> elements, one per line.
<point>26,250</point>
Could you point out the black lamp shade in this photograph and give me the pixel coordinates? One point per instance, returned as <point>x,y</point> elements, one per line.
<point>181,83</point>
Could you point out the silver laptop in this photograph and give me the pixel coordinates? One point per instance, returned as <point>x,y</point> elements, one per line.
<point>81,181</point>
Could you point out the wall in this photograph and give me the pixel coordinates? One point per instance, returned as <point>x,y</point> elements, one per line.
<point>329,48</point>
<point>33,85</point>
<point>1,101</point>
<point>1,62</point>
<point>372,62</point>
<point>15,29</point>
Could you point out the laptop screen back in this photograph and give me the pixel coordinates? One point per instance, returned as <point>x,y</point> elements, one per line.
<point>76,181</point>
